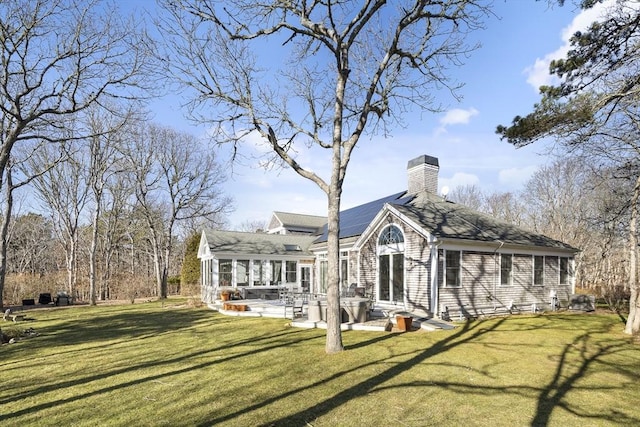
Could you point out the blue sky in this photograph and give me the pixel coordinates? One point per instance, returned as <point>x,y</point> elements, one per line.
<point>501,80</point>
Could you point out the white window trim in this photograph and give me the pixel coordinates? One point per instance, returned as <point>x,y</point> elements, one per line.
<point>533,270</point>
<point>444,269</point>
<point>568,282</point>
<point>390,248</point>
<point>510,281</point>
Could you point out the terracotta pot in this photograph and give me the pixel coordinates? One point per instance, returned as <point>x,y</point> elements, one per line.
<point>404,322</point>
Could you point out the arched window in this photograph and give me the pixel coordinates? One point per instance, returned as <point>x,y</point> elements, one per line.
<point>391,235</point>
<point>391,264</point>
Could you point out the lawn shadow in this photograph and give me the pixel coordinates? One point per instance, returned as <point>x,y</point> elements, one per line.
<point>267,343</point>
<point>549,398</point>
<point>567,375</point>
<point>467,332</point>
<point>71,333</point>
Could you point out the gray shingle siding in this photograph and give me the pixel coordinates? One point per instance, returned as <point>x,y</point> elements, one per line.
<point>417,271</point>
<point>368,262</point>
<point>482,293</point>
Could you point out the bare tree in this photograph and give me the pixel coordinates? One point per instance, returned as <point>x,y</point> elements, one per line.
<point>469,195</point>
<point>21,164</point>
<point>64,191</point>
<point>113,229</point>
<point>58,58</point>
<point>108,131</point>
<point>255,226</point>
<point>175,180</point>
<point>354,68</point>
<point>30,245</point>
<point>505,206</point>
<point>558,197</point>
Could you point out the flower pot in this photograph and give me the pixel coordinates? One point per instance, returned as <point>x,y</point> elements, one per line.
<point>404,323</point>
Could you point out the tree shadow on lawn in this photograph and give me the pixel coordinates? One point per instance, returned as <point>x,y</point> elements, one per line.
<point>567,376</point>
<point>259,344</point>
<point>465,334</point>
<point>569,371</point>
<point>78,333</point>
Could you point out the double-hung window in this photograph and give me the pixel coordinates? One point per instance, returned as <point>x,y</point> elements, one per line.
<point>291,268</point>
<point>225,272</point>
<point>538,270</point>
<point>258,273</point>
<point>242,272</point>
<point>452,269</point>
<point>506,269</point>
<point>564,271</point>
<point>276,272</point>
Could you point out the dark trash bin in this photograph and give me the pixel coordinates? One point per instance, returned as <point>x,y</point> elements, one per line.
<point>29,301</point>
<point>44,299</point>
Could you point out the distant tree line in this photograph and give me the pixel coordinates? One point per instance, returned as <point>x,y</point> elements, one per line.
<point>111,195</point>
<point>111,217</point>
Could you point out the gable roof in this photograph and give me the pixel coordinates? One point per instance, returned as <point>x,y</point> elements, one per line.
<point>296,222</point>
<point>257,243</point>
<point>354,221</point>
<point>448,220</point>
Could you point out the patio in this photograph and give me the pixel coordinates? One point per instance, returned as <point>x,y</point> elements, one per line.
<point>380,318</point>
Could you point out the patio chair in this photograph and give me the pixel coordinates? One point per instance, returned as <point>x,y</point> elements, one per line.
<point>297,307</point>
<point>351,292</point>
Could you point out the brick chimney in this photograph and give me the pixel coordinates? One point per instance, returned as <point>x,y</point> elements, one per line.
<point>422,174</point>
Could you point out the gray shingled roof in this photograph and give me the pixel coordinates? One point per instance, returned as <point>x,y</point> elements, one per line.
<point>258,243</point>
<point>449,220</point>
<point>289,219</point>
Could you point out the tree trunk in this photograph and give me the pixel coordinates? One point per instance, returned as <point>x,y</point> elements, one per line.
<point>158,269</point>
<point>92,253</point>
<point>165,270</point>
<point>71,265</point>
<point>334,319</point>
<point>633,321</point>
<point>4,232</point>
<point>105,291</point>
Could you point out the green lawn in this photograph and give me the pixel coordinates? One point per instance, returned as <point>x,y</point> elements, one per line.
<point>159,364</point>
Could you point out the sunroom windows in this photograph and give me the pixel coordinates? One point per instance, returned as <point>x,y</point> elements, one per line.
<point>257,272</point>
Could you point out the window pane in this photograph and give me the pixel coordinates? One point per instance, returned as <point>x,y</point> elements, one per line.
<point>258,273</point>
<point>505,269</point>
<point>390,235</point>
<point>291,275</point>
<point>242,272</point>
<point>564,271</point>
<point>276,272</point>
<point>398,277</point>
<point>344,274</point>
<point>452,274</point>
<point>225,272</point>
<point>385,278</point>
<point>324,280</point>
<point>305,278</point>
<point>538,270</point>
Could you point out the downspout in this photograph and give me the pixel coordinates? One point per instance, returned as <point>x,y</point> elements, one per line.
<point>495,274</point>
<point>435,303</point>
